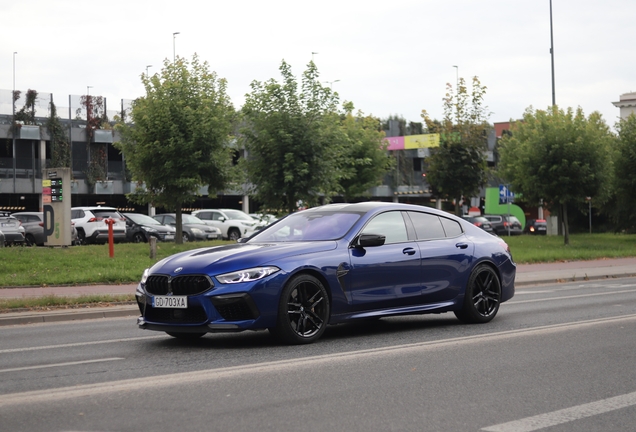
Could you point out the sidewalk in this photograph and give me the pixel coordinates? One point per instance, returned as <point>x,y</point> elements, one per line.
<point>527,274</point>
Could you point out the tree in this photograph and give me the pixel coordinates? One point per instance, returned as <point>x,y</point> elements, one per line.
<point>60,148</point>
<point>457,168</point>
<point>177,142</point>
<point>293,138</point>
<point>364,160</point>
<point>559,158</point>
<point>624,179</point>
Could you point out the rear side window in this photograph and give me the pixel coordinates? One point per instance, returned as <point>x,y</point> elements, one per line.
<point>77,214</point>
<point>427,226</point>
<point>114,214</point>
<point>452,228</point>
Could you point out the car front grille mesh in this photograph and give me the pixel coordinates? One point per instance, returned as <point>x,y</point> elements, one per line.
<point>191,315</point>
<point>179,285</point>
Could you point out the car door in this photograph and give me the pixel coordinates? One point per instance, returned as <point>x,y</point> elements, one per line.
<point>387,275</point>
<point>446,255</point>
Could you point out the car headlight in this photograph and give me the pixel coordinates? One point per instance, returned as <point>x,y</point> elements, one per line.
<point>247,275</point>
<point>144,276</point>
<point>196,231</point>
<point>149,229</point>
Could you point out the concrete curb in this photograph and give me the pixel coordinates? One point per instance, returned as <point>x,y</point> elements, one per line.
<point>32,317</point>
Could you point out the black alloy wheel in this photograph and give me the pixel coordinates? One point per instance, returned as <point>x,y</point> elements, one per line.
<point>482,297</point>
<point>303,311</point>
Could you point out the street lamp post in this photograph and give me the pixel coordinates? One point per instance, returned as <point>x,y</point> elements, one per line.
<point>174,37</point>
<point>552,56</point>
<point>312,55</point>
<point>331,83</point>
<point>13,121</point>
<point>149,66</point>
<point>457,89</point>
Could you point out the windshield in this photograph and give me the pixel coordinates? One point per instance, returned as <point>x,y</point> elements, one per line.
<point>189,219</point>
<point>237,214</point>
<point>141,219</point>
<point>308,226</point>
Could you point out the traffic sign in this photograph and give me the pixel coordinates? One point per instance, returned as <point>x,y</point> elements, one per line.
<point>506,196</point>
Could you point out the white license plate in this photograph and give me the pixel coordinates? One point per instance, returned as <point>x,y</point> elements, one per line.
<point>542,228</point>
<point>171,302</point>
<point>169,237</point>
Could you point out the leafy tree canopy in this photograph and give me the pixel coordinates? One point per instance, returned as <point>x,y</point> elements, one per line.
<point>457,168</point>
<point>364,159</point>
<point>178,139</point>
<point>624,178</point>
<point>559,158</point>
<point>293,139</point>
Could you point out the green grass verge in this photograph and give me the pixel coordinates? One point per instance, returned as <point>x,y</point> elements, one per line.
<point>535,249</point>
<point>81,265</point>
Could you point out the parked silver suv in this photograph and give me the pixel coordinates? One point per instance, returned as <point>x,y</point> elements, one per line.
<point>91,226</point>
<point>12,229</point>
<point>33,223</point>
<point>233,224</point>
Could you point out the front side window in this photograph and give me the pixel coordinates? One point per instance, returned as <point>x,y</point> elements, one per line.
<point>389,224</point>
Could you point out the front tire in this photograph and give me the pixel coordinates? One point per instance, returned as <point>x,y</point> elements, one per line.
<point>303,311</point>
<point>139,238</point>
<point>234,234</point>
<point>482,297</point>
<point>185,237</point>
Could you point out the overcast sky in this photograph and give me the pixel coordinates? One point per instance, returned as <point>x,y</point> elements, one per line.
<point>390,57</point>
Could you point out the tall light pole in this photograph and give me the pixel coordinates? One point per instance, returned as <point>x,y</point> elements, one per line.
<point>13,121</point>
<point>174,37</point>
<point>457,90</point>
<point>331,83</point>
<point>552,56</point>
<point>312,55</point>
<point>149,66</point>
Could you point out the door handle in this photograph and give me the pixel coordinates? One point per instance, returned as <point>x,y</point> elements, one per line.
<point>409,251</point>
<point>462,245</point>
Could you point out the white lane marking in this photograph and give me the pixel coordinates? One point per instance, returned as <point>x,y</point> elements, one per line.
<point>61,364</point>
<point>15,350</point>
<point>198,377</point>
<point>565,415</point>
<point>568,297</point>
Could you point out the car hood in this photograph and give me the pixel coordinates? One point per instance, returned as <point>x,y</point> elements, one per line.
<point>227,258</point>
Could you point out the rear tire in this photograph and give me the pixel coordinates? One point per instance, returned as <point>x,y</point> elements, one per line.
<point>81,237</point>
<point>482,297</point>
<point>29,240</point>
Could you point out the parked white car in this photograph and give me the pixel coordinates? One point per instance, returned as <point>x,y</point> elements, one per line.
<point>233,224</point>
<point>91,226</point>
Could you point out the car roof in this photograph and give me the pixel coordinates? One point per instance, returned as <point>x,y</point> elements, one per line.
<point>93,208</point>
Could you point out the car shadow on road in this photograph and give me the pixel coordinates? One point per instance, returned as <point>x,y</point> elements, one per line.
<point>341,333</point>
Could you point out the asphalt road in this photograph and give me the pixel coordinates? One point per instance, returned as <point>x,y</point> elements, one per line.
<point>557,358</point>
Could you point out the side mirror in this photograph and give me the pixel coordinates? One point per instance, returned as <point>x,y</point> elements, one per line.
<point>369,240</point>
<point>221,219</point>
